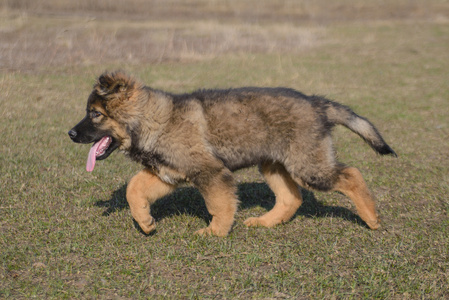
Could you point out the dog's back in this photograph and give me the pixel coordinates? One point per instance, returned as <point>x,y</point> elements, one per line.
<point>248,125</point>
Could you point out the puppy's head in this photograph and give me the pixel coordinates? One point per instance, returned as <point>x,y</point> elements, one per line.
<point>108,107</point>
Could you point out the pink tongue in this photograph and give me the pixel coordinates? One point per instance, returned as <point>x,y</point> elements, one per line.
<point>92,157</point>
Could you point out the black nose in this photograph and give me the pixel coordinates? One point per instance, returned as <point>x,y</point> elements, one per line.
<point>72,134</point>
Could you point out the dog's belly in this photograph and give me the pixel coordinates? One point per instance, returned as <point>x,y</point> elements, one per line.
<point>239,156</point>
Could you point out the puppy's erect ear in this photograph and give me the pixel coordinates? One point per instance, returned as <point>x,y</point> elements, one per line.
<point>116,86</point>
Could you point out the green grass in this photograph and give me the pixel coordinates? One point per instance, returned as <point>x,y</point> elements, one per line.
<point>66,233</point>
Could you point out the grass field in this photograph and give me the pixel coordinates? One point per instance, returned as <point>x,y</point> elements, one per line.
<point>66,233</point>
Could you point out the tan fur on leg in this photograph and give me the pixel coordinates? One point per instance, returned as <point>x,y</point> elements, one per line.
<point>143,190</point>
<point>221,202</point>
<point>352,184</point>
<point>288,196</point>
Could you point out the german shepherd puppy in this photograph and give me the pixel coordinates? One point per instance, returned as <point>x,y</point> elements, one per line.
<point>201,137</point>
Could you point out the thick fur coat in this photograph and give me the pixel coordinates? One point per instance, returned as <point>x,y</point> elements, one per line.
<point>201,137</point>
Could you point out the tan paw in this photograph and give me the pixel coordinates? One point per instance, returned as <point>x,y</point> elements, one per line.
<point>257,222</point>
<point>148,225</point>
<point>208,231</point>
<point>373,224</point>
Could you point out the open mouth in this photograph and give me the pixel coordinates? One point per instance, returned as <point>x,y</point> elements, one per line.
<point>99,151</point>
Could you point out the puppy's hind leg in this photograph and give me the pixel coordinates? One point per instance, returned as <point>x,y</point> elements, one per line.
<point>142,191</point>
<point>288,196</point>
<point>351,183</point>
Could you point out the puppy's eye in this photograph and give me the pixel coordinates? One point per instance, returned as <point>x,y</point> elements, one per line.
<point>95,114</point>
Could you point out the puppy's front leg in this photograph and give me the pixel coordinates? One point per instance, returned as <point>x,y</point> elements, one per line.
<point>219,192</point>
<point>142,191</point>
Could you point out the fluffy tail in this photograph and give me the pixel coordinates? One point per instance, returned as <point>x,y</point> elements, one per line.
<point>343,115</point>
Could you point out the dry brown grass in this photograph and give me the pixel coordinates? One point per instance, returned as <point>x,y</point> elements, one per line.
<point>30,42</point>
<point>254,11</point>
<point>52,33</point>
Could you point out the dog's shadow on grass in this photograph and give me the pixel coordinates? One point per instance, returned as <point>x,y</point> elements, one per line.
<point>187,200</point>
